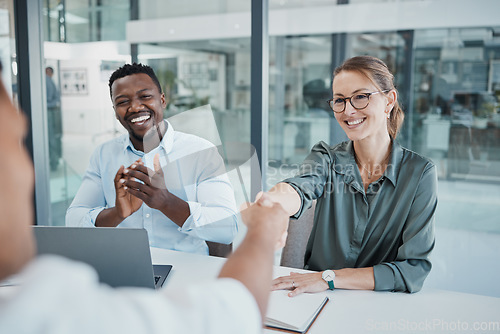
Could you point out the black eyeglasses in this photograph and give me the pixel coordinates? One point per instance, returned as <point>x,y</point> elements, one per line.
<point>358,101</point>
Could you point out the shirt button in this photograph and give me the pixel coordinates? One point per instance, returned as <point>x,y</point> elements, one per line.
<point>148,215</point>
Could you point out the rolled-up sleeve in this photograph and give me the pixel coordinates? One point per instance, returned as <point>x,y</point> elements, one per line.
<point>213,213</point>
<point>412,265</point>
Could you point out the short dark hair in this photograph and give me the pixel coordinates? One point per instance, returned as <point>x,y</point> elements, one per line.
<point>129,69</point>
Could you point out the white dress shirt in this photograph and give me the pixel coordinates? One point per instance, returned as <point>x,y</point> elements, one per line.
<point>60,296</point>
<point>194,171</point>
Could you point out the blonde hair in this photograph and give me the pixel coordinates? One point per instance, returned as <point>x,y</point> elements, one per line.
<point>378,72</point>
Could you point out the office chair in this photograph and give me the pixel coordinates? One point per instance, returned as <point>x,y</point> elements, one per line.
<point>220,250</point>
<point>299,231</point>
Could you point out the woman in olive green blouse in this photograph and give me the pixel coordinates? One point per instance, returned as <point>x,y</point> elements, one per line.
<point>374,219</point>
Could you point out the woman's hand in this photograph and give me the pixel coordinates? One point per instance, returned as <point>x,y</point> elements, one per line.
<point>300,283</point>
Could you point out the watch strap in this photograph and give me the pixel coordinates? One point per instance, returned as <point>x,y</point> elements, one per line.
<point>330,285</point>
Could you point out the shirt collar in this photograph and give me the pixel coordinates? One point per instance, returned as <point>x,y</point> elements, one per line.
<point>166,143</point>
<point>345,162</point>
<point>344,158</point>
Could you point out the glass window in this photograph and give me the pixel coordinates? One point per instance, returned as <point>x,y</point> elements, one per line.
<point>456,121</point>
<point>300,82</point>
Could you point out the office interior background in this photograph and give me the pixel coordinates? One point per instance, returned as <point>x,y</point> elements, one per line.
<point>445,55</point>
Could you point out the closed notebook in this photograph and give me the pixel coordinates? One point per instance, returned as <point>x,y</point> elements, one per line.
<point>295,314</point>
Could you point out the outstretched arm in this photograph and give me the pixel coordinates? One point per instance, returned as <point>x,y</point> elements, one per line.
<point>252,261</point>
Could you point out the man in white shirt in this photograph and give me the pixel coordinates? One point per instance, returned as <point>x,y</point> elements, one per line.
<point>170,183</point>
<point>59,296</point>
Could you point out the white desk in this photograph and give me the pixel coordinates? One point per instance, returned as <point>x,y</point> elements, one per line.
<point>364,311</point>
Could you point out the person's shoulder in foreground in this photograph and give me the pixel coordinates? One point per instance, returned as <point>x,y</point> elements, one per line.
<point>61,296</point>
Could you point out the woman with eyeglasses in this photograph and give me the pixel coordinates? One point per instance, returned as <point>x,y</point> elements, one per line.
<point>374,218</point>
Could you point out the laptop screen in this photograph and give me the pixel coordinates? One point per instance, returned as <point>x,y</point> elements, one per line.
<point>121,256</point>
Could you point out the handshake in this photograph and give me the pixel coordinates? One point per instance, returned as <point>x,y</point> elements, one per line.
<point>267,219</point>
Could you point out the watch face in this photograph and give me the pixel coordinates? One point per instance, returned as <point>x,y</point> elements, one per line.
<point>328,275</point>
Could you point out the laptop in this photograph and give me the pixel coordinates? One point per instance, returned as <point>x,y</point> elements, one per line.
<point>121,256</point>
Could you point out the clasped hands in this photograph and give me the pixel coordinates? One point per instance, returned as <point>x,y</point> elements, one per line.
<point>138,184</point>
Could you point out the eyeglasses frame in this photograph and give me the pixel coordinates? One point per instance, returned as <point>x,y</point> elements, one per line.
<point>350,101</point>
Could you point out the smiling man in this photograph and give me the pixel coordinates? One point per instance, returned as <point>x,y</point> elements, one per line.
<point>170,183</point>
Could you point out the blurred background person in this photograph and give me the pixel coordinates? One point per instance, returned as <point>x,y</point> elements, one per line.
<point>54,119</point>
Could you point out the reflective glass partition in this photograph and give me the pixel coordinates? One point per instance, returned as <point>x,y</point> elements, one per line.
<point>299,87</point>
<point>207,87</point>
<point>456,121</point>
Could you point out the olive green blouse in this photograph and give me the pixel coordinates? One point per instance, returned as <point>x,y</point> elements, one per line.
<point>390,227</point>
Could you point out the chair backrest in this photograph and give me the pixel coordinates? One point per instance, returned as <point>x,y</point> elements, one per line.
<point>220,250</point>
<point>299,231</point>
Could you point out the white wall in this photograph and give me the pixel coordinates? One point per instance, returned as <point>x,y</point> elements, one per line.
<point>90,114</point>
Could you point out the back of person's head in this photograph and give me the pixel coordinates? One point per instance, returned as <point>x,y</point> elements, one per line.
<point>135,68</point>
<point>380,75</point>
